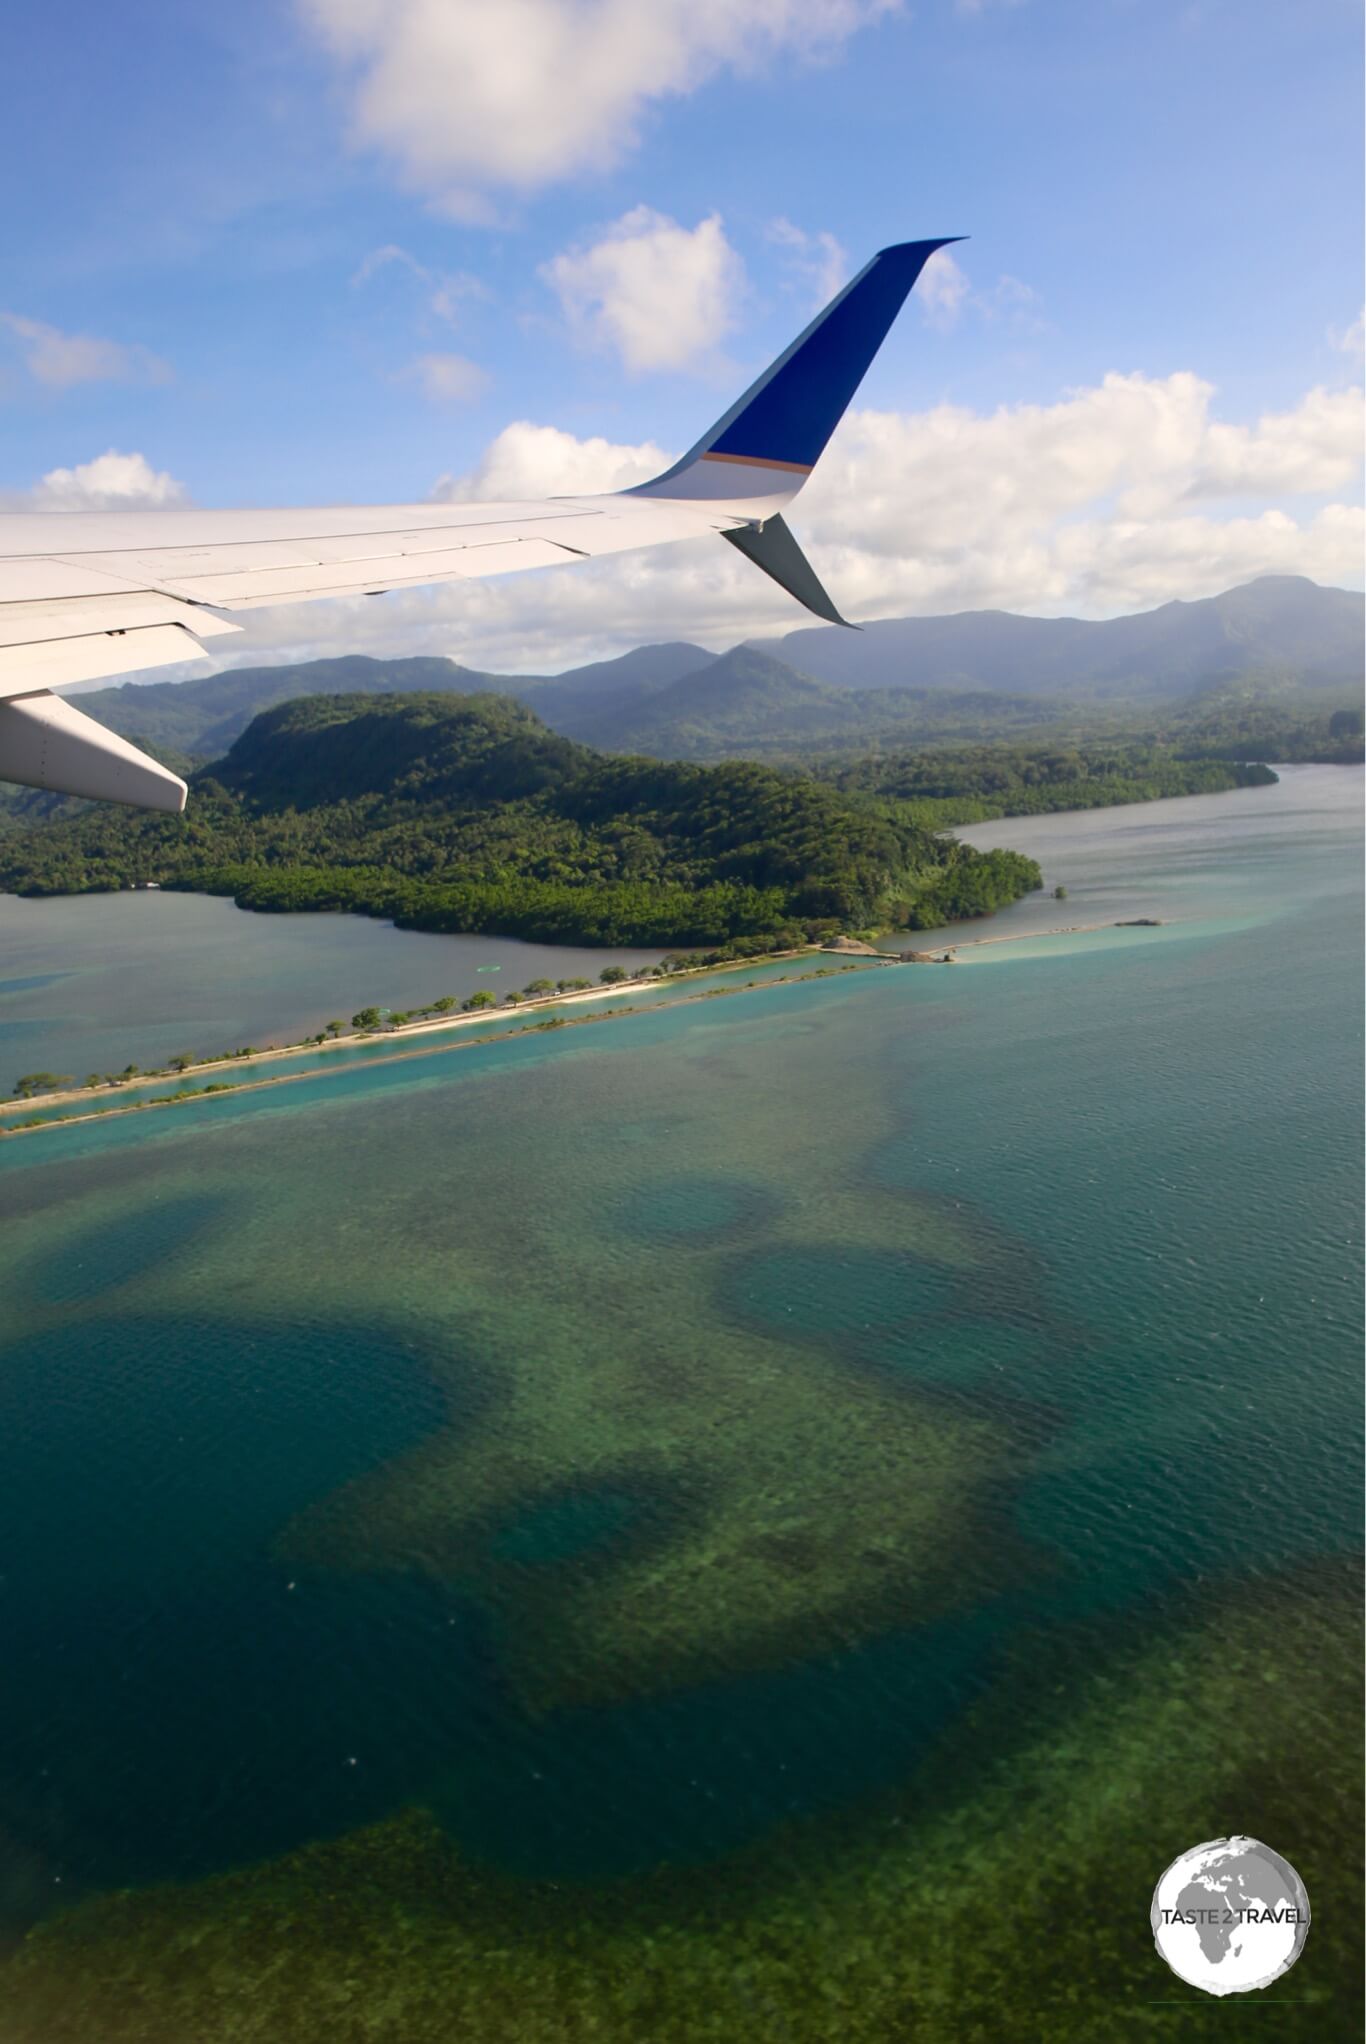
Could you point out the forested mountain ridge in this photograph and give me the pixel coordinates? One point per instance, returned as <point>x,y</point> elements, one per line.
<point>202,717</point>
<point>1275,646</point>
<point>466,813</point>
<point>747,702</point>
<point>1279,632</point>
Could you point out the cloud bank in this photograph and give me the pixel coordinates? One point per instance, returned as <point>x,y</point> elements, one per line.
<point>465,97</point>
<point>1117,497</point>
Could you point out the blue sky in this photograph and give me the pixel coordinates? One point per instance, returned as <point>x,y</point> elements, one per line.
<point>365,250</point>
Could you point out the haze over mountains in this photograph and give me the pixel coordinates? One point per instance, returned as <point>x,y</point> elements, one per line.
<point>1282,630</point>
<point>973,675</point>
<point>749,701</point>
<point>201,718</point>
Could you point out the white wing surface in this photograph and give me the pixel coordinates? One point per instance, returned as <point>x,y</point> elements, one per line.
<point>88,595</point>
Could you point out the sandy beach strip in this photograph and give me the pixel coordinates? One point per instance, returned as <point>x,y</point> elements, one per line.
<point>426,1026</point>
<point>444,1024</point>
<point>199,1093</point>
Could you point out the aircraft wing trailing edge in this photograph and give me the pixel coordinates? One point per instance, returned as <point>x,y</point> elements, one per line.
<point>84,595</point>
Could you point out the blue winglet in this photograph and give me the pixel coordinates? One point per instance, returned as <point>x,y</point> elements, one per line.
<point>786,417</point>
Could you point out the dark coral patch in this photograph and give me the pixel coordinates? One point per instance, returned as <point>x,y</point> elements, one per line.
<point>95,1260</point>
<point>820,1293</point>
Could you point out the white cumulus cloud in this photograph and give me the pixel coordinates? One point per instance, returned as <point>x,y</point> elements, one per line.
<point>58,359</point>
<point>1132,446</point>
<point>1117,497</point>
<point>466,96</point>
<point>111,482</point>
<point>527,461</point>
<point>1313,448</point>
<point>1086,504</point>
<point>661,295</point>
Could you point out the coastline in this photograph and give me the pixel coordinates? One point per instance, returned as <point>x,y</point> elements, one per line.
<point>898,1219</point>
<point>352,1037</point>
<point>443,1025</point>
<point>957,941</point>
<point>844,957</point>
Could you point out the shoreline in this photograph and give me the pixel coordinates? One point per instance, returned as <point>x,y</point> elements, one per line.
<point>855,956</point>
<point>255,1085</point>
<point>351,1038</point>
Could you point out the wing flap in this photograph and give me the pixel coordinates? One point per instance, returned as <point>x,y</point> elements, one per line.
<point>47,743</point>
<point>26,624</point>
<point>55,663</point>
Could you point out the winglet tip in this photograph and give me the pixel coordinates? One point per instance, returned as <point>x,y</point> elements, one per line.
<point>931,245</point>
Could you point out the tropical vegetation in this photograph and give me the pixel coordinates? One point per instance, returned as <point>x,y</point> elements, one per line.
<point>464,813</point>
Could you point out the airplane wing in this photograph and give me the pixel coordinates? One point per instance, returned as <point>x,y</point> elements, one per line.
<point>84,595</point>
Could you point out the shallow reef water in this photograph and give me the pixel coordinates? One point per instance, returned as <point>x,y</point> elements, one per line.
<point>992,1894</point>
<point>776,1518</point>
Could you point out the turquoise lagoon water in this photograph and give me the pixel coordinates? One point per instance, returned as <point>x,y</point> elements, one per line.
<point>429,1040</point>
<point>363,1440</point>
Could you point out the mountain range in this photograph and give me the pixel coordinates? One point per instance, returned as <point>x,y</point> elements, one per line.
<point>923,680</point>
<point>1280,631</point>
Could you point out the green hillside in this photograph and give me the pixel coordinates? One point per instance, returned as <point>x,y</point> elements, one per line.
<point>975,783</point>
<point>1267,671</point>
<point>453,812</point>
<point>202,717</point>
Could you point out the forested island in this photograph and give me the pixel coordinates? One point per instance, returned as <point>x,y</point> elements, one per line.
<point>973,784</point>
<point>465,813</point>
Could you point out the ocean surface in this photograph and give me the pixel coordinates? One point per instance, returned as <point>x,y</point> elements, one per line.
<point>778,1516</point>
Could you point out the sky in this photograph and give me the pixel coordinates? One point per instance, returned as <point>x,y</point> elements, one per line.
<point>378,251</point>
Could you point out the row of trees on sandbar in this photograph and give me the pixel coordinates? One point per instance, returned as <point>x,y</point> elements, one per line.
<point>34,1083</point>
<point>534,990</point>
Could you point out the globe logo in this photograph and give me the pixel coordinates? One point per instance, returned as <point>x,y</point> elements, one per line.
<point>1230,1915</point>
